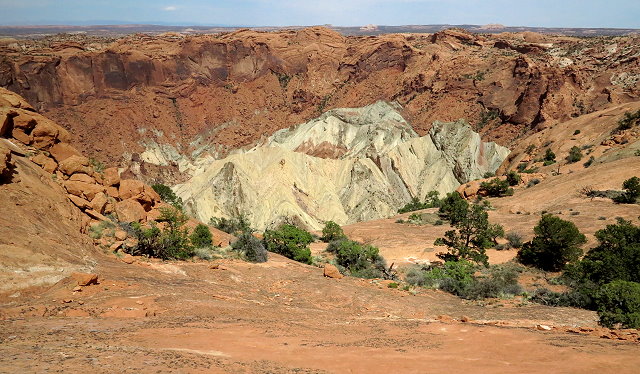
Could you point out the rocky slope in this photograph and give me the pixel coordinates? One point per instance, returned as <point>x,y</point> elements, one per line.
<point>348,165</point>
<point>51,195</point>
<point>209,94</point>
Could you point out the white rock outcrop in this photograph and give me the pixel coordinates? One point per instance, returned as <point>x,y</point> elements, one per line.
<point>348,165</point>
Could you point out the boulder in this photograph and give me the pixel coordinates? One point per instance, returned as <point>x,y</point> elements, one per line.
<point>46,163</point>
<point>5,120</point>
<point>331,271</point>
<point>21,136</point>
<point>99,202</point>
<point>111,177</point>
<point>130,211</point>
<point>85,279</point>
<point>82,189</point>
<point>148,198</point>
<point>82,177</point>
<point>24,122</point>
<point>113,192</point>
<point>79,202</point>
<point>74,164</point>
<point>62,151</point>
<point>45,134</point>
<point>95,215</point>
<point>130,188</point>
<point>120,235</point>
<point>5,159</point>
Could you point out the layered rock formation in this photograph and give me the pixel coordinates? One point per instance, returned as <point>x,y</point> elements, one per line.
<point>348,165</point>
<point>214,93</point>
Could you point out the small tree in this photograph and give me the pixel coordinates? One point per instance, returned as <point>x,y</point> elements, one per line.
<point>631,193</point>
<point>201,236</point>
<point>175,237</point>
<point>513,178</point>
<point>250,247</point>
<point>453,207</point>
<point>549,157</point>
<point>289,241</point>
<point>496,188</point>
<point>168,196</point>
<point>473,235</point>
<point>575,155</point>
<point>557,242</point>
<point>332,231</point>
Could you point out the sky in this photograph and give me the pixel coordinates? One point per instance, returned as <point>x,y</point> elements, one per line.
<point>542,13</point>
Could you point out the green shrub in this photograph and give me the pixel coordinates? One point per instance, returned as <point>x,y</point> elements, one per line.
<point>250,247</point>
<point>557,242</point>
<point>201,236</point>
<point>513,178</point>
<point>232,226</point>
<point>168,196</point>
<point>575,155</point>
<point>489,174</point>
<point>631,193</point>
<point>393,285</point>
<point>289,241</point>
<point>496,188</point>
<point>361,260</point>
<point>549,157</point>
<point>332,231</point>
<point>618,302</point>
<point>577,132</point>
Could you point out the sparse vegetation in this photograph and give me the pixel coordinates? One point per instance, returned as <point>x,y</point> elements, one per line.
<point>96,231</point>
<point>97,165</point>
<point>458,278</point>
<point>514,240</point>
<point>629,120</point>
<point>289,241</point>
<point>250,247</point>
<point>577,132</point>
<point>557,242</point>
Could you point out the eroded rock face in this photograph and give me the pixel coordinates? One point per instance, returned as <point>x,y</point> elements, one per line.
<point>348,165</point>
<point>155,100</point>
